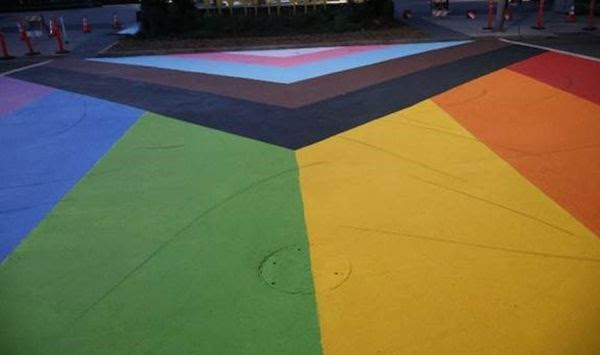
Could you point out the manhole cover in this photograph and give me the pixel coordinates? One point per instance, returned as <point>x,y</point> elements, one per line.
<point>288,270</point>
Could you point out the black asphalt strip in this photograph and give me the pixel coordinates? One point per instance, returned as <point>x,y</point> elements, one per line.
<point>290,128</point>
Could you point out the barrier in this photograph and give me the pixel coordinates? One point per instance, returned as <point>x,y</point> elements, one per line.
<point>59,39</point>
<point>571,15</point>
<point>490,15</point>
<point>64,29</point>
<point>117,25</point>
<point>591,19</point>
<point>5,55</point>
<point>86,25</point>
<point>25,38</point>
<point>539,20</point>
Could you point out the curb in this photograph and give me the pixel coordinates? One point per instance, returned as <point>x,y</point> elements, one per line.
<point>121,53</point>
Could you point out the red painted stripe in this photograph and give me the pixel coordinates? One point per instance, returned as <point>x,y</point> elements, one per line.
<point>572,74</point>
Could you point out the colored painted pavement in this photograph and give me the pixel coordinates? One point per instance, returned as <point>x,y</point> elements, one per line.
<point>13,96</point>
<point>282,61</point>
<point>157,250</point>
<point>575,75</point>
<point>449,248</point>
<point>440,202</point>
<point>290,128</point>
<point>549,135</point>
<point>47,146</point>
<point>284,75</point>
<point>292,95</point>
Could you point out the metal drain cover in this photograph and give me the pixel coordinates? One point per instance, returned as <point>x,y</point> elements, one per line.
<point>288,270</point>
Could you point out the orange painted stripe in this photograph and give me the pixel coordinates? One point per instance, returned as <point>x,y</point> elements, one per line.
<point>550,136</point>
<point>576,75</point>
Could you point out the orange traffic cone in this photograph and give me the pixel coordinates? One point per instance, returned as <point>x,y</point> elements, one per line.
<point>571,15</point>
<point>5,55</point>
<point>86,25</point>
<point>471,14</point>
<point>59,37</point>
<point>25,38</point>
<point>116,24</point>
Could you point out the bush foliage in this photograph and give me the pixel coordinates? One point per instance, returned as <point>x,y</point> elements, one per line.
<point>161,18</point>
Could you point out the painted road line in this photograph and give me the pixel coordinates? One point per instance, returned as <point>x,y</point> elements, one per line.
<point>447,245</point>
<point>550,49</point>
<point>549,135</point>
<point>281,75</point>
<point>163,247</point>
<point>578,76</point>
<point>25,68</point>
<point>47,146</point>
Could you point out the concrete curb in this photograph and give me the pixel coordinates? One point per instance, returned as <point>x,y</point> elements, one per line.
<point>107,53</point>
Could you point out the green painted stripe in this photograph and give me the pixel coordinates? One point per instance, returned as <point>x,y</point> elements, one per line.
<point>160,250</point>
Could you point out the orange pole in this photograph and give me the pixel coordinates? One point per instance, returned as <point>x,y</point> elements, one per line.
<point>59,40</point>
<point>539,21</point>
<point>490,15</point>
<point>5,54</point>
<point>591,19</point>
<point>25,38</point>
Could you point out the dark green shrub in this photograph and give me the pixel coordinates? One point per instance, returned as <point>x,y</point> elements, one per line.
<point>164,18</point>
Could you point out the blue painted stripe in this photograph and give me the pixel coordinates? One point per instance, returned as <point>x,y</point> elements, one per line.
<point>283,75</point>
<point>47,147</point>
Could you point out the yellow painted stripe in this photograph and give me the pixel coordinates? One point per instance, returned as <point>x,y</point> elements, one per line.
<point>425,241</point>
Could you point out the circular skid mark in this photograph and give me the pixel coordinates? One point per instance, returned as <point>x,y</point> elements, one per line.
<point>289,270</point>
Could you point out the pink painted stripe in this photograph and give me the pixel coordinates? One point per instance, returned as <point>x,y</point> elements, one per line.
<point>16,94</point>
<point>281,61</point>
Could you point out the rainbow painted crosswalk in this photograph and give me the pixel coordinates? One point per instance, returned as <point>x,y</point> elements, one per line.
<point>283,66</point>
<point>447,202</point>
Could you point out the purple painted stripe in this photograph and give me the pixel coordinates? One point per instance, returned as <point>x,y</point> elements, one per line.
<point>15,94</point>
<point>281,61</point>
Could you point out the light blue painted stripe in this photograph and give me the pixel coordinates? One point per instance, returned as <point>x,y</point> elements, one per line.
<point>283,75</point>
<point>47,146</point>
